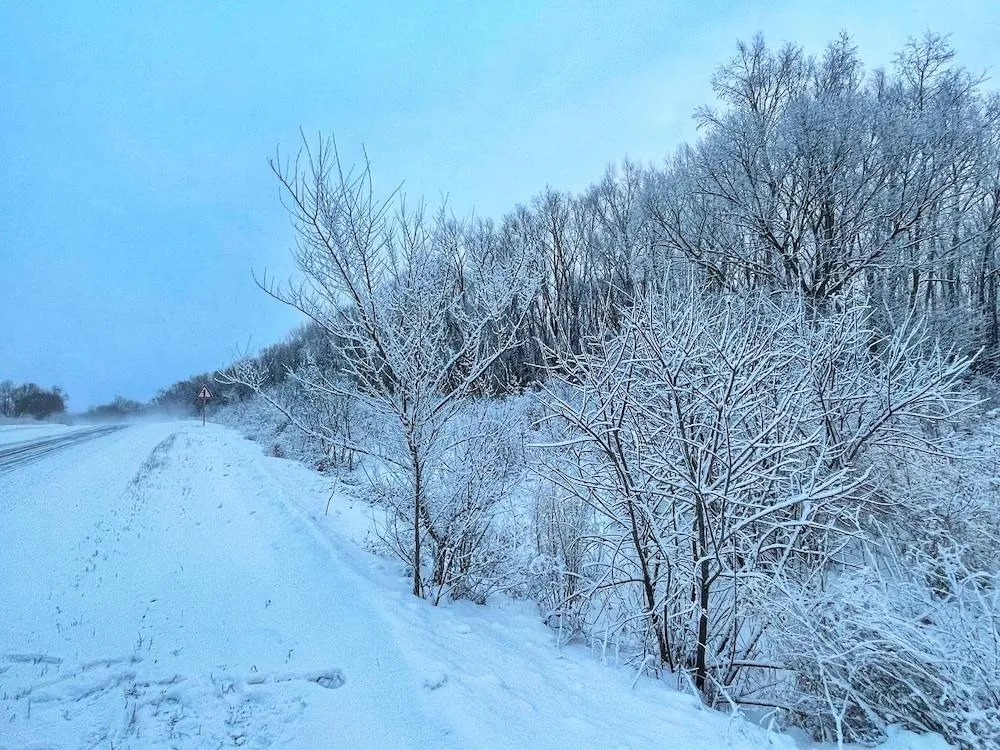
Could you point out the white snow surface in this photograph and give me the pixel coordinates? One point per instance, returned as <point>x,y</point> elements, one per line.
<point>170,586</point>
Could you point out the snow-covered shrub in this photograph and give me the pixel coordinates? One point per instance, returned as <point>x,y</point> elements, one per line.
<point>726,443</point>
<point>904,628</point>
<point>282,433</point>
<point>473,528</point>
<point>561,525</point>
<point>869,650</point>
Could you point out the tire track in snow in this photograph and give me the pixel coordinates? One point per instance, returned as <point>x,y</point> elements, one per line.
<point>17,455</point>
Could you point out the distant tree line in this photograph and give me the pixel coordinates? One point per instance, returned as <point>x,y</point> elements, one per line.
<point>31,400</point>
<point>276,361</point>
<point>118,408</point>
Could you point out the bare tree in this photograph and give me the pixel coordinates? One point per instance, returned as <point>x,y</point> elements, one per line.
<point>7,398</point>
<point>813,178</point>
<point>415,321</point>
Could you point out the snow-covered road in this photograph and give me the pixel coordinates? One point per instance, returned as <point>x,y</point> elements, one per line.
<point>170,586</point>
<point>23,432</point>
<point>15,454</point>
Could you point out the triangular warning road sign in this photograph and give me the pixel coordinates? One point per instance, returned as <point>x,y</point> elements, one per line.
<point>204,392</point>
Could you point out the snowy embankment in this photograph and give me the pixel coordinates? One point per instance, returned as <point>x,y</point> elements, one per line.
<point>170,586</point>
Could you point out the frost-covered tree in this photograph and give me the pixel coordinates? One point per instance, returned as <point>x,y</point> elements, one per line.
<point>415,317</point>
<point>723,448</point>
<point>812,175</point>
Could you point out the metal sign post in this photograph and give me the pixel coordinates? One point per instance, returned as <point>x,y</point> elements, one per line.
<point>204,395</point>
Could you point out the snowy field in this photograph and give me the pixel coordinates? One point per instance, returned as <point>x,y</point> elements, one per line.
<point>170,586</point>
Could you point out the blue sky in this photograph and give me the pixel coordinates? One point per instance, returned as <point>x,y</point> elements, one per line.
<point>135,197</point>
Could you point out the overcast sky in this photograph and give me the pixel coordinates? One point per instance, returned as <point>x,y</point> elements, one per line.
<point>135,197</point>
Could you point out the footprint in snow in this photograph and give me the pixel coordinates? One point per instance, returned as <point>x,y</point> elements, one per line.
<point>433,682</point>
<point>330,679</point>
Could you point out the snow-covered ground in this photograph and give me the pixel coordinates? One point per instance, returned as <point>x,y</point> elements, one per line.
<point>170,586</point>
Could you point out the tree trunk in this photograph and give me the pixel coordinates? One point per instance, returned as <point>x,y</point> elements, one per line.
<point>701,654</point>
<point>418,499</point>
